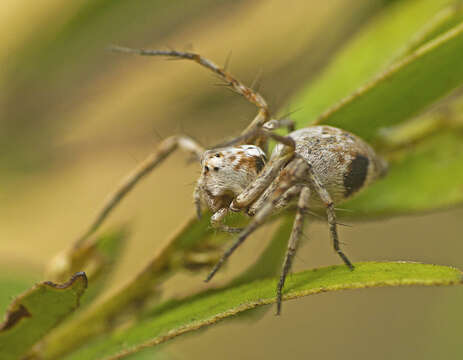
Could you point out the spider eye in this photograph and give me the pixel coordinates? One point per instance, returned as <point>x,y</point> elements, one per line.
<point>216,169</point>
<point>206,168</point>
<point>217,155</point>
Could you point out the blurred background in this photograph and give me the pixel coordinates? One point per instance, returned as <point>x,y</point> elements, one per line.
<point>76,118</point>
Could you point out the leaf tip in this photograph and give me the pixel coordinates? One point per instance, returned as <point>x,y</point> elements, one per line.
<point>77,277</point>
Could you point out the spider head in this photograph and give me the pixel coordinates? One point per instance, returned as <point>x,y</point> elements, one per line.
<point>226,172</point>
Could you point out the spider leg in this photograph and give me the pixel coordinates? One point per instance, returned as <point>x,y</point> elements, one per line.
<point>287,197</point>
<point>331,215</point>
<point>268,174</point>
<point>248,93</point>
<point>293,172</point>
<point>296,233</point>
<point>258,220</point>
<point>164,149</point>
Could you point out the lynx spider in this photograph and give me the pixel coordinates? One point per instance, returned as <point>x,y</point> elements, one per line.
<point>312,167</point>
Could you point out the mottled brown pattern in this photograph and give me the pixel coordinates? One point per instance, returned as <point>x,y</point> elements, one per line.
<point>341,158</point>
<point>246,162</point>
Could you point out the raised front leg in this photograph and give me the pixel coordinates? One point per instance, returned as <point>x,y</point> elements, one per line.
<point>248,93</point>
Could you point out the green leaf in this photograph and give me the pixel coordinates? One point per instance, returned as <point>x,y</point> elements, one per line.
<point>150,354</point>
<point>11,284</point>
<point>194,236</point>
<point>37,311</point>
<point>443,21</point>
<point>408,87</point>
<point>386,37</point>
<point>127,301</point>
<point>429,68</point>
<point>207,309</point>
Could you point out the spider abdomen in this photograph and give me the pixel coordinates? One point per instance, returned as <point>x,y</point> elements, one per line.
<point>343,162</point>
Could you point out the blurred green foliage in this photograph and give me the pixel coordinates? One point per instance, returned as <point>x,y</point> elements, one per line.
<point>393,62</point>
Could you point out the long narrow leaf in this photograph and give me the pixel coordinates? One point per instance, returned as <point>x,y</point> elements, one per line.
<point>197,312</point>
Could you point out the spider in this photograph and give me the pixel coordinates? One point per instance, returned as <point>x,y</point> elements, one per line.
<point>316,166</point>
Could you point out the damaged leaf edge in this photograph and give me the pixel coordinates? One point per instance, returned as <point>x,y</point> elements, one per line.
<point>18,311</point>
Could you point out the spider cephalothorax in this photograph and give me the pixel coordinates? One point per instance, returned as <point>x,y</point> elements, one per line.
<point>226,172</point>
<point>314,166</point>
